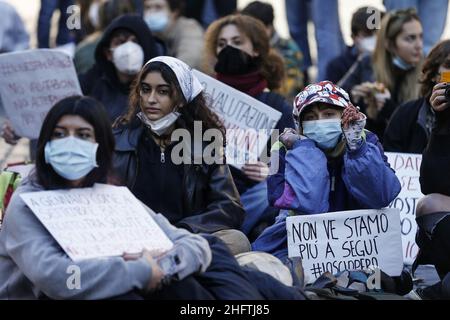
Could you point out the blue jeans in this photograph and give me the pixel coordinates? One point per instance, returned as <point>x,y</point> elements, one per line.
<point>324,14</point>
<point>44,22</point>
<point>433,15</point>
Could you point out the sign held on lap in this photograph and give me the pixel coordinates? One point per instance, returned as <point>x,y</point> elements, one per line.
<point>96,222</point>
<point>346,240</point>
<point>31,82</point>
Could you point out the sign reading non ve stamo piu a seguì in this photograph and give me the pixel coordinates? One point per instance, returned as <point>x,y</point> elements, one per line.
<point>96,222</point>
<point>346,240</point>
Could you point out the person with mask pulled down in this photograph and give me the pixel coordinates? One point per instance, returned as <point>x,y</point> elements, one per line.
<point>239,49</point>
<point>329,163</point>
<point>166,99</point>
<point>364,37</point>
<point>381,81</point>
<point>182,36</point>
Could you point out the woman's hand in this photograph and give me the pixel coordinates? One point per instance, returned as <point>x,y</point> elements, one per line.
<point>437,100</point>
<point>150,257</point>
<point>256,171</point>
<point>9,134</point>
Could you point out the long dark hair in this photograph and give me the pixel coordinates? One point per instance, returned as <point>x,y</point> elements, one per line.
<point>438,56</point>
<point>93,112</point>
<point>196,110</point>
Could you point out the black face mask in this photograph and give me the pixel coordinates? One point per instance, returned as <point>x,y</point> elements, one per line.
<point>232,61</point>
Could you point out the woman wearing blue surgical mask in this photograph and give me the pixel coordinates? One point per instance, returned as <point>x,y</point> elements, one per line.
<point>75,149</point>
<point>381,81</point>
<point>193,191</point>
<point>182,36</point>
<point>330,163</point>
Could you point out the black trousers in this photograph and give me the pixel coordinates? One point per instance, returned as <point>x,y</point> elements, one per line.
<point>433,239</point>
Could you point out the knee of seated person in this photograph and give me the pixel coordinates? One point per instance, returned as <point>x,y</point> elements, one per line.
<point>432,203</point>
<point>235,240</point>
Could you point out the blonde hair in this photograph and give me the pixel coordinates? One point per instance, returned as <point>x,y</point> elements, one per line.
<point>272,68</point>
<point>391,27</point>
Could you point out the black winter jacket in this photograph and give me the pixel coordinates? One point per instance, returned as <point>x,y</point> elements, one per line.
<point>407,130</point>
<point>210,196</point>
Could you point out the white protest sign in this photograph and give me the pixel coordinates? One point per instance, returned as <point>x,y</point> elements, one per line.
<point>31,82</point>
<point>97,222</point>
<point>346,240</point>
<point>248,122</point>
<point>407,169</point>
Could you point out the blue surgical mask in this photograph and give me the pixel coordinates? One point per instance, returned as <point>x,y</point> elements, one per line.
<point>157,21</point>
<point>70,157</point>
<point>402,64</point>
<point>326,133</point>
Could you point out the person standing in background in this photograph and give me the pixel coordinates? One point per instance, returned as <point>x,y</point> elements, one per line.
<point>65,38</point>
<point>325,16</point>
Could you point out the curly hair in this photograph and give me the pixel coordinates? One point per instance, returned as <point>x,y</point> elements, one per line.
<point>438,56</point>
<point>272,68</point>
<point>196,110</point>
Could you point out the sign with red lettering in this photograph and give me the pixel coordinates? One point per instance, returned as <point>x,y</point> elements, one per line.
<point>407,169</point>
<point>249,123</point>
<point>31,82</point>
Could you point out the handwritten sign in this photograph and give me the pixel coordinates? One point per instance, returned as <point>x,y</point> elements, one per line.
<point>407,169</point>
<point>31,82</point>
<point>97,222</point>
<point>346,240</point>
<point>248,122</point>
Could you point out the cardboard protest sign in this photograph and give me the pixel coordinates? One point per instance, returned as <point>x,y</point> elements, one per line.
<point>31,82</point>
<point>407,169</point>
<point>97,222</point>
<point>346,240</point>
<point>248,122</point>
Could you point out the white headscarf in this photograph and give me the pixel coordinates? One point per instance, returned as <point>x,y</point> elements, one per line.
<point>189,84</point>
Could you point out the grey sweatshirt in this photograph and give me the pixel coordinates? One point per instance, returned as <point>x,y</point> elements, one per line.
<point>32,263</point>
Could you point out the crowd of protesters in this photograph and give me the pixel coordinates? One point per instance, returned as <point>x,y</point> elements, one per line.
<point>134,61</point>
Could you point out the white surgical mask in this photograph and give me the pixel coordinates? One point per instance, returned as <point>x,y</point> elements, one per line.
<point>159,126</point>
<point>368,44</point>
<point>157,21</point>
<point>128,57</point>
<point>70,157</point>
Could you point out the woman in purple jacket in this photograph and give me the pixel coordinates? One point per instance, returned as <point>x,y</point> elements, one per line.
<point>330,163</point>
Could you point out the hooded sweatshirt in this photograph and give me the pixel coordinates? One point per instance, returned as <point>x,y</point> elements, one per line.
<point>101,81</point>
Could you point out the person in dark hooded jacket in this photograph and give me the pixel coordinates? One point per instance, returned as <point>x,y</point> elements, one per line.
<point>126,43</point>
